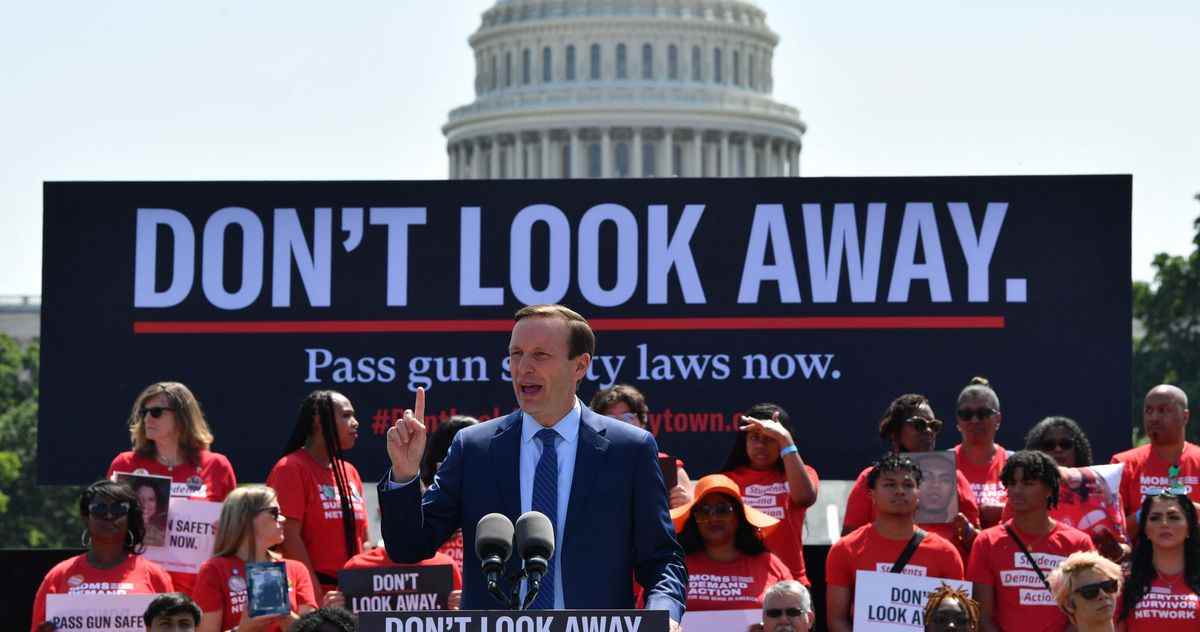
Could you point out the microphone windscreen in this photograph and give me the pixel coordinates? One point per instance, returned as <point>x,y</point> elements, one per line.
<point>494,536</point>
<point>535,535</point>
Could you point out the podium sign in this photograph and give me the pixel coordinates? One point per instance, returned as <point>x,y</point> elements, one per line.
<point>512,621</point>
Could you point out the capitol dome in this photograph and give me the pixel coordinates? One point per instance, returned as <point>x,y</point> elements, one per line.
<point>623,88</point>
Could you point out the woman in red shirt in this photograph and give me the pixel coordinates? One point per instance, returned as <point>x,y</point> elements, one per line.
<point>1163,591</point>
<point>980,458</point>
<point>250,526</point>
<point>320,493</point>
<point>112,564</point>
<point>729,568</point>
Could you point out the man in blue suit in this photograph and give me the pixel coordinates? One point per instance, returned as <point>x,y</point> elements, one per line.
<point>597,478</point>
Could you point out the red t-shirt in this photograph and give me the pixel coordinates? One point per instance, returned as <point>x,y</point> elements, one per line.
<point>860,511</point>
<point>984,479</point>
<point>1146,474</point>
<point>378,558</point>
<point>866,549</point>
<point>212,480</point>
<point>453,548</point>
<point>767,491</point>
<point>135,576</point>
<point>308,493</point>
<point>1170,606</point>
<point>736,585</point>
<point>1021,600</point>
<point>221,587</point>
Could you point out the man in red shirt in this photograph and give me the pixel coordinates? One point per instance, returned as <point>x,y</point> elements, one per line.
<point>1167,461</point>
<point>893,484</point>
<point>1010,562</point>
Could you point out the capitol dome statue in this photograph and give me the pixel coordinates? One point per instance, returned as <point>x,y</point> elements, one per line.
<point>623,89</point>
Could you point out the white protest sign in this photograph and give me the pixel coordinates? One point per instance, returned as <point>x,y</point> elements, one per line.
<point>191,530</point>
<point>98,613</point>
<point>894,602</point>
<point>720,620</point>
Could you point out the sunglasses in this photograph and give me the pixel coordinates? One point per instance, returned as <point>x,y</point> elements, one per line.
<point>921,424</point>
<point>708,512</point>
<point>775,613</point>
<point>109,510</point>
<point>630,418</point>
<point>1051,445</point>
<point>1091,591</point>
<point>154,411</point>
<point>948,618</point>
<point>966,414</point>
<point>274,511</point>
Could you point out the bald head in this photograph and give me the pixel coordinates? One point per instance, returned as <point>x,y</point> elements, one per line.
<point>1171,392</point>
<point>1165,415</point>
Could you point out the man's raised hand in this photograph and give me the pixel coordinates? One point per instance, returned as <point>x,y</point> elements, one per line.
<point>406,441</point>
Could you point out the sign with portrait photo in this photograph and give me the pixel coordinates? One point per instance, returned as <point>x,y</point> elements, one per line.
<point>938,497</point>
<point>154,497</point>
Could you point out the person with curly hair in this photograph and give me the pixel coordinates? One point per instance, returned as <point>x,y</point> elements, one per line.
<point>950,609</point>
<point>1163,590</point>
<point>113,564</point>
<point>1062,439</point>
<point>1085,587</point>
<point>326,620</point>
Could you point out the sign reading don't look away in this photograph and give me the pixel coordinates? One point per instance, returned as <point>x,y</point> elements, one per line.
<point>828,296</point>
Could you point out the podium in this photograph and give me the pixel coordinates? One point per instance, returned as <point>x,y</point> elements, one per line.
<point>515,621</point>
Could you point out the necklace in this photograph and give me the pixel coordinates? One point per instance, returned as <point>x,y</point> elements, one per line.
<point>170,463</point>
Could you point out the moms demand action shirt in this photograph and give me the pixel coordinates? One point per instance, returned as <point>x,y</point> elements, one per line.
<point>736,585</point>
<point>76,576</point>
<point>1145,474</point>
<point>221,587</point>
<point>1170,606</point>
<point>865,549</point>
<point>1021,599</point>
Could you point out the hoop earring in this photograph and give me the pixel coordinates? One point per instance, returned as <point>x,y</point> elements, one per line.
<point>85,539</point>
<point>129,538</point>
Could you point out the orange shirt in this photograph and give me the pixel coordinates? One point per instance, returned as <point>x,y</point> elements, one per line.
<point>308,493</point>
<point>736,585</point>
<point>136,575</point>
<point>1021,600</point>
<point>767,491</point>
<point>866,549</point>
<point>984,479</point>
<point>860,511</point>
<point>221,587</point>
<point>1170,606</point>
<point>1146,474</point>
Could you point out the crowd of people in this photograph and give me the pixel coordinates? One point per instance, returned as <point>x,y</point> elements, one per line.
<point>1030,565</point>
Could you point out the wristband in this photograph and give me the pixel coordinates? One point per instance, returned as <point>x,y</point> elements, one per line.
<point>791,449</point>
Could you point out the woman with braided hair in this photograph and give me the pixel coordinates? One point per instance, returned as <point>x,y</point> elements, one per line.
<point>949,608</point>
<point>320,493</point>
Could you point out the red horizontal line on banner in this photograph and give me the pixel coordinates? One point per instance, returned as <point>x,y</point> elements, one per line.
<point>599,324</point>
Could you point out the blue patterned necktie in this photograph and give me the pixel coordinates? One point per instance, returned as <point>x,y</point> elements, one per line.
<point>545,500</point>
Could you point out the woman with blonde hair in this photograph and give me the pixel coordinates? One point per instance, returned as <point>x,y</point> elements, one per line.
<point>249,527</point>
<point>1086,586</point>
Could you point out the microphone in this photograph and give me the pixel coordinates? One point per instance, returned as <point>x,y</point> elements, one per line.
<point>535,543</point>
<point>493,545</point>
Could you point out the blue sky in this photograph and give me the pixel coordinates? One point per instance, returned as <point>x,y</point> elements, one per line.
<point>263,90</point>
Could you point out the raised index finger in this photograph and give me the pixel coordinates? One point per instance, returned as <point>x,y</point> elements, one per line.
<point>419,407</point>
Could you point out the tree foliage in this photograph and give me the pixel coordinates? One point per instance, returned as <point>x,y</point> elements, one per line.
<point>1169,350</point>
<point>30,515</point>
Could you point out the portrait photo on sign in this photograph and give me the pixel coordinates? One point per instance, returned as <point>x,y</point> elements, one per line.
<point>154,497</point>
<point>938,497</point>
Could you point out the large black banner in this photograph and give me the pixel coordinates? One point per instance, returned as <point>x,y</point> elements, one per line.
<point>830,296</point>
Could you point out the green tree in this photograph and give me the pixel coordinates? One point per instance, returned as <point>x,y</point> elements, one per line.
<point>1169,349</point>
<point>30,515</point>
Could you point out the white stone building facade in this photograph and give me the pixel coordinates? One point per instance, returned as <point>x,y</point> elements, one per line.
<point>623,88</point>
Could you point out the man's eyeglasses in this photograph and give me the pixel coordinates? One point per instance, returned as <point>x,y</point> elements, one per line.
<point>1091,591</point>
<point>921,424</point>
<point>109,510</point>
<point>966,414</point>
<point>274,511</point>
<point>775,613</point>
<point>1050,445</point>
<point>154,411</point>
<point>708,512</point>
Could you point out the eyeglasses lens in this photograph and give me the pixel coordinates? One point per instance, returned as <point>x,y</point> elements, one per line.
<point>967,414</point>
<point>108,510</point>
<point>154,411</point>
<point>709,512</point>
<point>947,618</point>
<point>921,424</point>
<point>775,613</point>
<point>1091,591</point>
<point>274,511</point>
<point>1063,444</point>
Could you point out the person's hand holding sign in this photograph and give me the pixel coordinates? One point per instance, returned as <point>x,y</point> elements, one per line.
<point>406,441</point>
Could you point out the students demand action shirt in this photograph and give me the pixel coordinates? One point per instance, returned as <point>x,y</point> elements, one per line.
<point>866,549</point>
<point>1170,606</point>
<point>736,585</point>
<point>221,587</point>
<point>1145,474</point>
<point>76,576</point>
<point>1022,602</point>
<point>767,491</point>
<point>860,511</point>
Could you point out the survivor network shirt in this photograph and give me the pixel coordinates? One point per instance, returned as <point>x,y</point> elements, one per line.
<point>378,558</point>
<point>1021,599</point>
<point>221,587</point>
<point>984,479</point>
<point>1146,474</point>
<point>860,510</point>
<point>736,585</point>
<point>212,480</point>
<point>865,549</point>
<point>1170,606</point>
<point>767,491</point>
<point>308,493</point>
<point>76,576</point>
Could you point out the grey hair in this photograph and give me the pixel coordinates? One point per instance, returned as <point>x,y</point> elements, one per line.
<point>790,587</point>
<point>979,388</point>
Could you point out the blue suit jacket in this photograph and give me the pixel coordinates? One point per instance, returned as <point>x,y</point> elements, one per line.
<point>618,524</point>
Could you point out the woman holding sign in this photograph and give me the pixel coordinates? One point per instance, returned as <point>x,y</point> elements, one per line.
<point>1163,592</point>
<point>251,524</point>
<point>112,564</point>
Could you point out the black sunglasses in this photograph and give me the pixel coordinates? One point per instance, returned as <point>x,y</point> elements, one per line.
<point>921,424</point>
<point>775,613</point>
<point>980,414</point>
<point>109,510</point>
<point>1091,591</point>
<point>1049,445</point>
<point>274,511</point>
<point>946,618</point>
<point>155,411</point>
